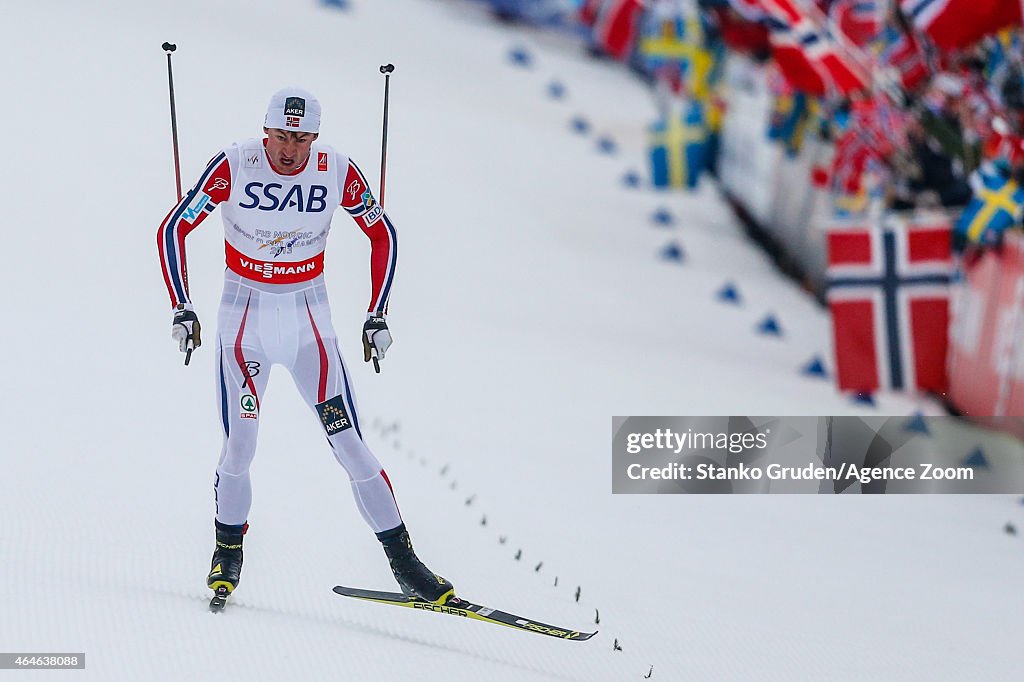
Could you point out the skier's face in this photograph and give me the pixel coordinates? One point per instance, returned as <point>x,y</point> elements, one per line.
<point>288,149</point>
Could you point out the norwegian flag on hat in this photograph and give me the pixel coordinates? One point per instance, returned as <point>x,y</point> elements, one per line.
<point>888,292</point>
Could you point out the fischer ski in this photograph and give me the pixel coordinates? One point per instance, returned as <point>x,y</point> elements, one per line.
<point>466,609</point>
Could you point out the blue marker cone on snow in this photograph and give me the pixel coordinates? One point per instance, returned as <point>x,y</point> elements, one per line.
<point>917,424</point>
<point>815,368</point>
<point>673,252</point>
<point>769,325</point>
<point>337,4</point>
<point>864,399</point>
<point>580,125</point>
<point>663,217</point>
<point>606,145</point>
<point>976,460</point>
<point>519,56</point>
<point>729,293</point>
<point>556,90</point>
<point>631,179</point>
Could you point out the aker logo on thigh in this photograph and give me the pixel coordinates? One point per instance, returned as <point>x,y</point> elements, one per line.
<point>333,415</point>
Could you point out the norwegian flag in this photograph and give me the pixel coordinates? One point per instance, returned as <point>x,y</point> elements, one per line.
<point>790,51</point>
<point>859,20</point>
<point>844,74</point>
<point>291,121</point>
<point>874,131</point>
<point>959,23</point>
<point>1003,145</point>
<point>617,25</point>
<point>813,61</point>
<point>904,53</point>
<point>849,163</point>
<point>888,291</point>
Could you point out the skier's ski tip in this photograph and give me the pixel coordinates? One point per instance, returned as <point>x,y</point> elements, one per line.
<point>220,599</point>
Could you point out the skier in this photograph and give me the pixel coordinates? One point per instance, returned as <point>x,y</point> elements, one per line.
<point>278,196</point>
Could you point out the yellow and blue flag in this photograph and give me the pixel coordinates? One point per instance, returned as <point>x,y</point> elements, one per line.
<point>790,116</point>
<point>680,42</point>
<point>996,206</point>
<point>678,146</point>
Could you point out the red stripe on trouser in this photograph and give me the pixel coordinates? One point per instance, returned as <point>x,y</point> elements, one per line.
<point>322,387</point>
<point>240,358</point>
<point>387,480</point>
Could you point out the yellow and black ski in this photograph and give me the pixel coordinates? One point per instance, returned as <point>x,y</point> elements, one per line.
<point>465,609</point>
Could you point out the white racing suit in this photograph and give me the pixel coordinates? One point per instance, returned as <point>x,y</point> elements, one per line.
<point>274,309</point>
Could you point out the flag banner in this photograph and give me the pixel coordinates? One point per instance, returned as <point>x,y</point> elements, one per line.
<point>813,62</point>
<point>954,24</point>
<point>677,148</point>
<point>859,20</point>
<point>616,27</point>
<point>791,112</point>
<point>888,293</point>
<point>904,54</point>
<point>995,207</point>
<point>817,455</point>
<point>672,40</point>
<point>986,356</point>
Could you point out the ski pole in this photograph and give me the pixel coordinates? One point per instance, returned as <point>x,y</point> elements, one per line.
<point>387,70</point>
<point>169,48</point>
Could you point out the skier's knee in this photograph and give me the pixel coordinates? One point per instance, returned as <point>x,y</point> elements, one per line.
<point>237,458</point>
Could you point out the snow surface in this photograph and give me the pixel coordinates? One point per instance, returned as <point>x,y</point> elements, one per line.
<point>528,309</point>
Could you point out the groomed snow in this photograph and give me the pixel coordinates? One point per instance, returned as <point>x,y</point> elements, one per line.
<point>528,309</point>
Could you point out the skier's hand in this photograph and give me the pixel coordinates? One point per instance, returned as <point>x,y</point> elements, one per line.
<point>185,330</point>
<point>376,340</point>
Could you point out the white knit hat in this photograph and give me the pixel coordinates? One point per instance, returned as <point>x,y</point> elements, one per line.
<point>293,109</point>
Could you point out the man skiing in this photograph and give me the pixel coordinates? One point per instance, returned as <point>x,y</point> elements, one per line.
<point>277,198</point>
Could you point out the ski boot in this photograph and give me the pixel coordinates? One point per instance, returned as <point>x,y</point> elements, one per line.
<point>415,579</point>
<point>226,565</point>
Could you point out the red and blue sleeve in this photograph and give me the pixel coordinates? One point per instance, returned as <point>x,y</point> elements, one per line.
<point>357,198</point>
<point>213,187</point>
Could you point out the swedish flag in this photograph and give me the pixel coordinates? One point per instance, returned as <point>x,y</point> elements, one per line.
<point>677,148</point>
<point>680,41</point>
<point>996,206</point>
<point>791,114</point>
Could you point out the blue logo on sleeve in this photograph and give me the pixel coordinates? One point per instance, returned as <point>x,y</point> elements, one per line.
<point>196,207</point>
